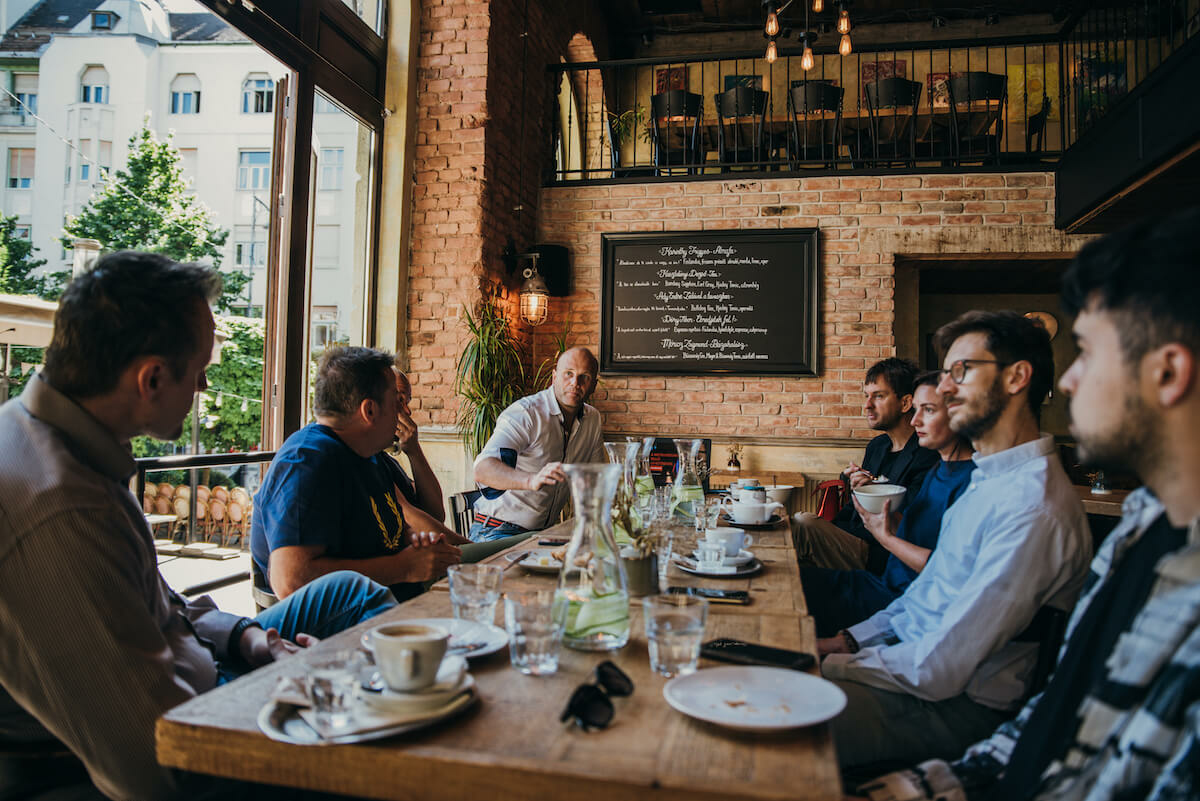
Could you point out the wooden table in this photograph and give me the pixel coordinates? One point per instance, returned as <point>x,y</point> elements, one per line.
<point>1108,505</point>
<point>511,745</point>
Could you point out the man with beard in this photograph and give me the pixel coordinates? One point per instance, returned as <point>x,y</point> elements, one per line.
<point>951,658</point>
<point>1120,717</point>
<point>840,598</point>
<point>894,456</point>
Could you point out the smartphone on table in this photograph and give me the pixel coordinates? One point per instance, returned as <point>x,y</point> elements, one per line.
<point>552,541</point>
<point>715,596</point>
<point>726,649</point>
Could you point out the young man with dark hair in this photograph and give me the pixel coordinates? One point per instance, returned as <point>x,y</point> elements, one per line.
<point>837,599</point>
<point>96,646</point>
<point>1120,718</point>
<point>895,455</point>
<point>949,659</point>
<point>330,500</point>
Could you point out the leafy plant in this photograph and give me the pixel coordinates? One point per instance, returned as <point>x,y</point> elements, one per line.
<point>17,264</point>
<point>490,374</point>
<point>624,124</point>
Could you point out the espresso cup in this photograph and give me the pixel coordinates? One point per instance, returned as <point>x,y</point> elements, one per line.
<point>408,656</point>
<point>731,539</point>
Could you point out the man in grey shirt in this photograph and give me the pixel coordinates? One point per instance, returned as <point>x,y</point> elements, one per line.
<point>96,646</point>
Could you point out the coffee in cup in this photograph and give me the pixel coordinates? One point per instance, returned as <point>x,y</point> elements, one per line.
<point>408,656</point>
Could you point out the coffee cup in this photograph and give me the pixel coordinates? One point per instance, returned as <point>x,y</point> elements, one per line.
<point>873,496</point>
<point>408,656</point>
<point>731,539</point>
<point>752,512</point>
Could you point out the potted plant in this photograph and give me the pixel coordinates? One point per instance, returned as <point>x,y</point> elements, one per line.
<point>490,374</point>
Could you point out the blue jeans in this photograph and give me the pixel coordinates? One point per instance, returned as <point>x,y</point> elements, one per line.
<point>481,533</point>
<point>323,607</point>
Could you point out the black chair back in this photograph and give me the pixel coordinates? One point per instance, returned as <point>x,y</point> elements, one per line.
<point>742,124</point>
<point>892,105</point>
<point>675,128</point>
<point>977,101</point>
<point>1035,127</point>
<point>812,132</point>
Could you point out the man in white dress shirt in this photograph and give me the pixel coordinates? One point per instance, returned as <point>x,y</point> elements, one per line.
<point>520,468</point>
<point>946,662</point>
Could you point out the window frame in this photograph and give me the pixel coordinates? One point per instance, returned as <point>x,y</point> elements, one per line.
<point>255,94</point>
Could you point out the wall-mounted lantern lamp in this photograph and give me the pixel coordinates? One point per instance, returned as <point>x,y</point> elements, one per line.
<point>535,297</point>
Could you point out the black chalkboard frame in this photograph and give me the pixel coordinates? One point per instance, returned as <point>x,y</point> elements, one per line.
<point>799,360</point>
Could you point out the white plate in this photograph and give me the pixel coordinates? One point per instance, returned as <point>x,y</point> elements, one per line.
<point>463,633</point>
<point>538,561</point>
<point>281,721</point>
<point>742,558</point>
<point>755,698</point>
<point>748,569</point>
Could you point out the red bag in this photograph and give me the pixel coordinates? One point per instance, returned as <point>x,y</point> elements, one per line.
<point>831,501</point>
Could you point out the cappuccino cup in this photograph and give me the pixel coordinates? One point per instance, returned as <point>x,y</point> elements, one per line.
<point>408,656</point>
<point>731,539</point>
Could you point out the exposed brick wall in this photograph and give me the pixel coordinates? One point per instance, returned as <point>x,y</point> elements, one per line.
<point>470,153</point>
<point>857,310</point>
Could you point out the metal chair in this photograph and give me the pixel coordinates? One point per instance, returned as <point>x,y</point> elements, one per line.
<point>815,136</point>
<point>461,505</point>
<point>893,135</point>
<point>675,130</point>
<point>977,101</point>
<point>1035,127</point>
<point>741,126</point>
<point>260,588</point>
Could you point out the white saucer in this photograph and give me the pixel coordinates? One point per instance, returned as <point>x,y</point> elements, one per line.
<point>742,558</point>
<point>755,698</point>
<point>420,700</point>
<point>538,561</point>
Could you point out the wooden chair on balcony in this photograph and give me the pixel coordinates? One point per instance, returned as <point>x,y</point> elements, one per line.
<point>977,101</point>
<point>742,126</point>
<point>813,135</point>
<point>675,131</point>
<point>892,105</point>
<point>1035,127</point>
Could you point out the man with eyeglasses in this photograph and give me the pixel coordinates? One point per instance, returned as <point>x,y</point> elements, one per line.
<point>951,658</point>
<point>1120,718</point>
<point>520,468</point>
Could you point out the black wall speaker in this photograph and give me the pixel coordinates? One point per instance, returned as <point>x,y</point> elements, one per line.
<point>554,265</point>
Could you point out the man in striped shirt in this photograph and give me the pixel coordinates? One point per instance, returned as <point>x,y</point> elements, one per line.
<point>1120,718</point>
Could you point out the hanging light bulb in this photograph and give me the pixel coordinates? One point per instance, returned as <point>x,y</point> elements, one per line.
<point>844,45</point>
<point>772,52</point>
<point>772,28</point>
<point>818,6</point>
<point>806,60</point>
<point>535,298</point>
<point>843,23</point>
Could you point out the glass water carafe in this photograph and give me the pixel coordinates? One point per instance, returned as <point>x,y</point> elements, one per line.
<point>592,580</point>
<point>688,494</point>
<point>643,481</point>
<point>624,511</point>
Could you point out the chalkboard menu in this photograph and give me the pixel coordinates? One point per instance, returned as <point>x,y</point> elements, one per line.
<point>732,302</point>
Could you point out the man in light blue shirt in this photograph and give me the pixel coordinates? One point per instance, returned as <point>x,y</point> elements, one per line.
<point>944,664</point>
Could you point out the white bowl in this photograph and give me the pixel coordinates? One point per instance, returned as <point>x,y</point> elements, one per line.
<point>872,496</point>
<point>780,493</point>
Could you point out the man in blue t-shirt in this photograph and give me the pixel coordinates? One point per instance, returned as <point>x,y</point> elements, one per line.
<point>838,599</point>
<point>330,500</point>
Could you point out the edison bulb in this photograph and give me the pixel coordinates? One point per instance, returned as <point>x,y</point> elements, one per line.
<point>806,60</point>
<point>772,24</point>
<point>818,6</point>
<point>844,45</point>
<point>843,24</point>
<point>772,53</point>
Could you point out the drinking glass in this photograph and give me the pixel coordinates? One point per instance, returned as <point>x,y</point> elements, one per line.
<point>709,555</point>
<point>330,682</point>
<point>674,629</point>
<point>664,533</point>
<point>474,591</point>
<point>535,623</point>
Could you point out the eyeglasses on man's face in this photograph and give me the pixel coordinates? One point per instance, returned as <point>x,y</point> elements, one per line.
<point>591,705</point>
<point>958,370</point>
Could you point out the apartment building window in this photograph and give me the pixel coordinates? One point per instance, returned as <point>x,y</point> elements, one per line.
<point>331,167</point>
<point>94,85</point>
<point>22,232</point>
<point>185,94</point>
<point>249,246</point>
<point>103,20</point>
<point>85,167</point>
<point>323,105</point>
<point>25,89</point>
<point>324,326</point>
<point>20,167</point>
<point>189,158</point>
<point>104,158</point>
<point>254,169</point>
<point>258,95</point>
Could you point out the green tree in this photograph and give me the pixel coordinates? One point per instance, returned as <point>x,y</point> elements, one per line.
<point>146,207</point>
<point>17,265</point>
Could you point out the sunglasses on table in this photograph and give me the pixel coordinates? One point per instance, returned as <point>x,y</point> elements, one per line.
<point>591,704</point>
